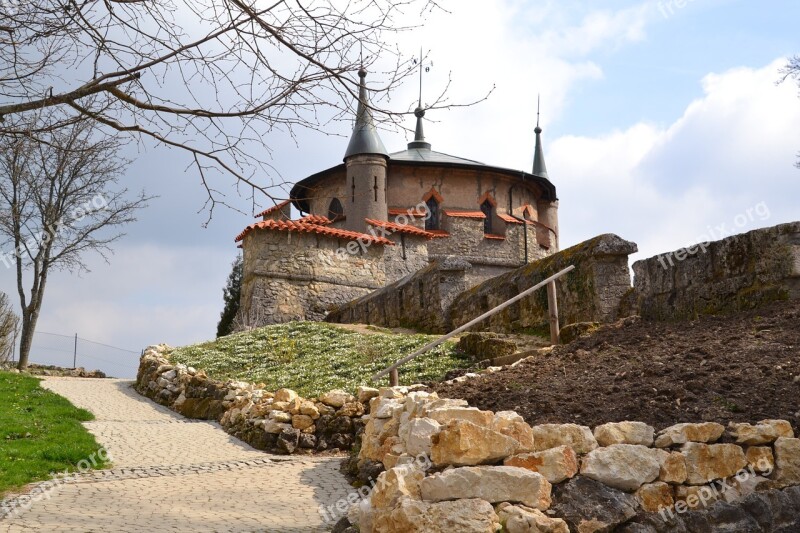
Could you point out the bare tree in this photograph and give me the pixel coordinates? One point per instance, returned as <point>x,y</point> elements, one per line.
<point>792,71</point>
<point>9,327</point>
<point>57,203</point>
<point>210,77</point>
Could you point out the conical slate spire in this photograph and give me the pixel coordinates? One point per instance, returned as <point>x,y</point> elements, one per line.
<point>539,168</point>
<point>419,135</point>
<point>365,138</point>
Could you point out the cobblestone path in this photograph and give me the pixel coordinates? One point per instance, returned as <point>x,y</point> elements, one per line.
<point>174,474</point>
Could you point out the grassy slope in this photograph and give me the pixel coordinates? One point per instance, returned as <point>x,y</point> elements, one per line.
<point>40,432</point>
<point>312,358</point>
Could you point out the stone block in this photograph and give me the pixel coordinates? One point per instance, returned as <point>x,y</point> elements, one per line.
<point>462,443</point>
<point>556,464</point>
<point>705,432</point>
<point>579,438</point>
<point>622,466</point>
<point>707,462</point>
<point>624,433</point>
<point>765,432</point>
<point>654,497</point>
<point>521,519</point>
<point>494,484</point>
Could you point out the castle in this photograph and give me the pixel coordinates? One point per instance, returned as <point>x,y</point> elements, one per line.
<point>379,217</point>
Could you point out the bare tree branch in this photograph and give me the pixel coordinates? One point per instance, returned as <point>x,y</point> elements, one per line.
<point>58,202</point>
<point>213,85</point>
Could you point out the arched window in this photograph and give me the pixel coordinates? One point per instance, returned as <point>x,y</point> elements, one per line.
<point>335,210</point>
<point>432,222</point>
<point>487,209</point>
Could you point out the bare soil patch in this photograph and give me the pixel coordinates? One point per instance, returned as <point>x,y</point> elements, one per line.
<point>743,367</point>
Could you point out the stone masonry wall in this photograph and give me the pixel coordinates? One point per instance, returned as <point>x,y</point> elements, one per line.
<point>593,292</point>
<point>419,301</point>
<point>467,241</point>
<point>281,422</point>
<point>736,273</point>
<point>300,276</point>
<point>450,467</point>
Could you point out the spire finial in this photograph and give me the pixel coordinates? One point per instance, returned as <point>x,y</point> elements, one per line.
<point>539,168</point>
<point>365,139</point>
<point>419,112</point>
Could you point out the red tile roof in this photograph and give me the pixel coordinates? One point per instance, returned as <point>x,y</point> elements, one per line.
<point>465,214</point>
<point>494,237</point>
<point>306,225</point>
<point>438,233</point>
<point>273,209</point>
<point>509,219</point>
<point>409,212</point>
<point>315,219</point>
<point>399,228</point>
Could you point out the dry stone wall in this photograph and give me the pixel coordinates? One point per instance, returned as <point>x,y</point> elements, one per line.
<point>735,273</point>
<point>450,467</point>
<point>280,422</point>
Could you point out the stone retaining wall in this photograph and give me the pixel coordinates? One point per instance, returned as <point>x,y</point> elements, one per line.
<point>736,273</point>
<point>281,422</point>
<point>420,301</point>
<point>450,467</point>
<point>592,292</point>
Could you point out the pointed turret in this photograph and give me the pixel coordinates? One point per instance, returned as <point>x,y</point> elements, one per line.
<point>366,161</point>
<point>539,168</point>
<point>365,139</point>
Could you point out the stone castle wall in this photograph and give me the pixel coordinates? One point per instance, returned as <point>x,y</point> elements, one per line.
<point>739,272</point>
<point>593,292</point>
<point>302,276</point>
<point>468,242</point>
<point>420,301</point>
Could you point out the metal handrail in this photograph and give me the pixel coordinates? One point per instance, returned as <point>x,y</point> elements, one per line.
<point>471,323</point>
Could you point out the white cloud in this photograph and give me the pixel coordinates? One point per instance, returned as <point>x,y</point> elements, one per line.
<point>732,150</point>
<point>512,46</point>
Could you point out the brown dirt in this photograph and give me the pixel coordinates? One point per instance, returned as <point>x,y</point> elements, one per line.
<point>744,367</point>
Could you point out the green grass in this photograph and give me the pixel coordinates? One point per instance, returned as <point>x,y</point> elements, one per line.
<point>312,357</point>
<point>40,433</point>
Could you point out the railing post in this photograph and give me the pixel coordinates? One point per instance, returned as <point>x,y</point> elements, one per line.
<point>394,378</point>
<point>552,307</point>
<point>527,292</point>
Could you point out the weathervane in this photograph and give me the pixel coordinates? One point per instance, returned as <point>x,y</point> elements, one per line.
<point>419,112</point>
<point>426,67</point>
<point>538,108</point>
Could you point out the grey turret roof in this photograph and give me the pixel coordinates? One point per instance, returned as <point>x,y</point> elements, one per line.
<point>539,168</point>
<point>365,139</point>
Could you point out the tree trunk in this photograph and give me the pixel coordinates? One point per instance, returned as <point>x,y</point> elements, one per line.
<point>30,316</point>
<point>25,340</point>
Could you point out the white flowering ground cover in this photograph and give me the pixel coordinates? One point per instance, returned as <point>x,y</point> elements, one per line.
<point>313,357</point>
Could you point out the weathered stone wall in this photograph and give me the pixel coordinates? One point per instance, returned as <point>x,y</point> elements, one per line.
<point>409,255</point>
<point>590,293</point>
<point>736,273</point>
<point>419,301</point>
<point>280,422</point>
<point>450,467</point>
<point>467,241</point>
<point>300,276</point>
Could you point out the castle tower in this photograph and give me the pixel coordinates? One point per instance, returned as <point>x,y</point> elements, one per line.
<point>366,160</point>
<point>548,210</point>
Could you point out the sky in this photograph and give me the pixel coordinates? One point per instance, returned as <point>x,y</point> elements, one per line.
<point>663,123</point>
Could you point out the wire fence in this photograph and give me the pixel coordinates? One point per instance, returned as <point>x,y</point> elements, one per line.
<point>72,351</point>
